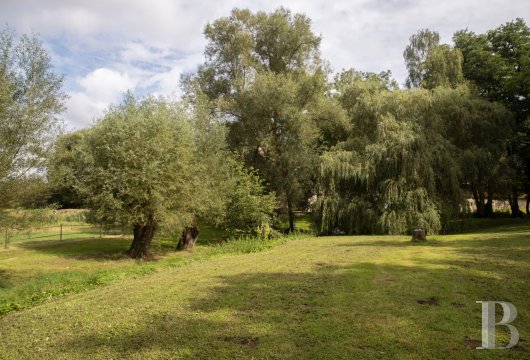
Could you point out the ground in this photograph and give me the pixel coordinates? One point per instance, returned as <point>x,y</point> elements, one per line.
<point>348,297</point>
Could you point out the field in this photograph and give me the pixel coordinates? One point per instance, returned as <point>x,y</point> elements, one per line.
<point>346,297</point>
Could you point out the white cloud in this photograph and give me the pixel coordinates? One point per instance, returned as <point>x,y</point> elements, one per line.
<point>147,45</point>
<point>105,84</point>
<point>99,89</point>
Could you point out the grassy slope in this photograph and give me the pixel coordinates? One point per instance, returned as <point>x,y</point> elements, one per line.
<point>318,298</point>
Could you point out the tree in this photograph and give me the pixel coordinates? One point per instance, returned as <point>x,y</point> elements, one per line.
<point>28,192</point>
<point>431,64</point>
<point>497,62</point>
<point>416,53</point>
<point>265,73</point>
<point>155,165</point>
<point>138,168</point>
<point>63,170</point>
<point>483,160</point>
<point>442,67</point>
<point>396,170</point>
<point>480,130</point>
<point>249,209</point>
<point>227,195</point>
<point>30,101</point>
<point>276,134</point>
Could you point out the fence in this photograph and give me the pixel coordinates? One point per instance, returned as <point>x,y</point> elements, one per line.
<point>60,232</point>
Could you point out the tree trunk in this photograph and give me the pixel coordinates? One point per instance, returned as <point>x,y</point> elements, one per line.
<point>189,237</point>
<point>143,234</point>
<point>291,214</point>
<point>418,235</point>
<point>479,203</point>
<point>513,199</point>
<point>488,209</point>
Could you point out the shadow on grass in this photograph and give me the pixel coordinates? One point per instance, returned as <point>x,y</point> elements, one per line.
<point>103,249</point>
<point>111,248</point>
<point>490,225</point>
<point>81,248</point>
<point>510,237</point>
<point>359,311</point>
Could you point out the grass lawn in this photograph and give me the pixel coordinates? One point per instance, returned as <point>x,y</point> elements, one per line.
<point>313,298</point>
<point>36,269</point>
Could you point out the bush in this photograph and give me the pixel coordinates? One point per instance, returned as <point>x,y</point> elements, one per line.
<point>249,209</point>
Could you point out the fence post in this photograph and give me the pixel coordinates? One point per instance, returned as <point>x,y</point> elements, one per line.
<point>61,236</point>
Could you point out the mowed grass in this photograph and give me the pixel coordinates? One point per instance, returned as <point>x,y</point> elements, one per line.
<point>363,297</point>
<point>35,269</point>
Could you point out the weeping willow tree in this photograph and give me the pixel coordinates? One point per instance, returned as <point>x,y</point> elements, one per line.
<point>396,171</point>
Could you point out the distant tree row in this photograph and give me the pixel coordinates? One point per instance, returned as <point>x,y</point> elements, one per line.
<point>262,130</point>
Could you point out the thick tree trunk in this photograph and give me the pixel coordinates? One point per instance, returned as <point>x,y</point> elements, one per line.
<point>189,237</point>
<point>291,214</point>
<point>143,234</point>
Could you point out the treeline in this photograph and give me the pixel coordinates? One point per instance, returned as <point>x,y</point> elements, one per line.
<point>264,128</point>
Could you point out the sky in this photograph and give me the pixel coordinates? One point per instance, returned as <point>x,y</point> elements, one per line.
<point>107,47</point>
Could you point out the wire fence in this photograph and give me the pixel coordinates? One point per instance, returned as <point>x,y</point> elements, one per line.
<point>60,232</point>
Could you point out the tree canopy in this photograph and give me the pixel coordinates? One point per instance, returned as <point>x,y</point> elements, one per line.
<point>138,166</point>
<point>395,171</point>
<point>30,101</point>
<point>63,169</point>
<point>416,54</point>
<point>150,164</point>
<point>265,73</point>
<point>246,43</point>
<point>498,64</point>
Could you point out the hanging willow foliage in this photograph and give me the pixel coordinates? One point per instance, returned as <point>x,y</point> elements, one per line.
<point>396,171</point>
